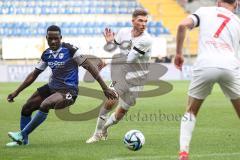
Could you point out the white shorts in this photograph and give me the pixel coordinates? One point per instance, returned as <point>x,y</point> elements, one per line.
<point>127,93</point>
<point>203,80</point>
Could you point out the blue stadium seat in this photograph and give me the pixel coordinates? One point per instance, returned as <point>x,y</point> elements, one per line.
<point>46,7</point>
<point>71,28</point>
<point>72,7</point>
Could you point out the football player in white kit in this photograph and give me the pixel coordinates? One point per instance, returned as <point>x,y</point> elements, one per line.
<point>137,55</point>
<point>217,61</point>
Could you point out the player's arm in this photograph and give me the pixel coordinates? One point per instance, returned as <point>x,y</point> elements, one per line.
<point>95,73</point>
<point>86,64</point>
<point>41,66</point>
<point>187,23</point>
<point>27,82</point>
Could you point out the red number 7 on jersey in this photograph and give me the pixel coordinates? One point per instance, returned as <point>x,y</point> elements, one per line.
<point>226,20</point>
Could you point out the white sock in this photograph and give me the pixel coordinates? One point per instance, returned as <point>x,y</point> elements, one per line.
<point>110,121</point>
<point>101,119</point>
<point>187,126</point>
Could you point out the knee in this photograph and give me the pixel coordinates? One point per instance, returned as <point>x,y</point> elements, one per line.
<point>45,107</point>
<point>27,109</point>
<point>63,104</point>
<point>110,103</point>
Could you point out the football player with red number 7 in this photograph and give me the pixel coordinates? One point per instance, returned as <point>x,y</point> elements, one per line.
<point>217,61</point>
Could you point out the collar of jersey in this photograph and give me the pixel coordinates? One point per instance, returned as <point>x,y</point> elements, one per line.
<point>57,51</point>
<point>225,9</point>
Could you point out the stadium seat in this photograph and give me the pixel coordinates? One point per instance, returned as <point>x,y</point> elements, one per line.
<point>63,7</point>
<point>69,7</point>
<point>72,28</point>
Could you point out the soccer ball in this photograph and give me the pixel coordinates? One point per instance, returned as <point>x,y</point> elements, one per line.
<point>134,140</point>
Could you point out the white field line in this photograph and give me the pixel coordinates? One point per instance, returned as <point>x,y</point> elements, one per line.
<point>175,157</point>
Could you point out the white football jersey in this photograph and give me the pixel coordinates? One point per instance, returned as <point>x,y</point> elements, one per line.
<point>138,47</point>
<point>219,38</point>
<point>137,50</point>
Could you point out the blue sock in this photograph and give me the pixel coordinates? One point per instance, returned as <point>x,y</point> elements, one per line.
<point>24,120</point>
<point>34,123</point>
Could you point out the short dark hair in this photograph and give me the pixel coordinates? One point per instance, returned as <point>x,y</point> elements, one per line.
<point>139,12</point>
<point>54,28</point>
<point>229,1</point>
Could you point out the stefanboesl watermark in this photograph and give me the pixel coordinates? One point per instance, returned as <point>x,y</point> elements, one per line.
<point>155,116</point>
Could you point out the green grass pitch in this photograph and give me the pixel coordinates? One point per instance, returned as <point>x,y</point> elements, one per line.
<point>216,136</point>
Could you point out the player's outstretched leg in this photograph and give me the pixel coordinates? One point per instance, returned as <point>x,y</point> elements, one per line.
<point>188,122</point>
<point>56,100</point>
<point>98,135</point>
<point>28,108</point>
<point>51,102</point>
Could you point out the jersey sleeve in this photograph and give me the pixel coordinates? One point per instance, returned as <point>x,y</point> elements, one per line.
<point>42,64</point>
<point>196,17</point>
<point>140,49</point>
<point>79,58</point>
<point>117,38</point>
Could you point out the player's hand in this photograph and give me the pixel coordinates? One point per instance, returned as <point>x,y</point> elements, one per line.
<point>178,61</point>
<point>11,97</point>
<point>110,94</point>
<point>109,35</point>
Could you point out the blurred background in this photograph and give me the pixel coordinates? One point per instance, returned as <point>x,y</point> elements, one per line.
<point>23,25</point>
